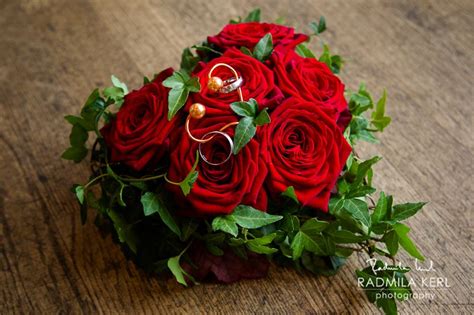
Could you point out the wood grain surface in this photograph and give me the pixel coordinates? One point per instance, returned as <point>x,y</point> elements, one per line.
<point>53,53</point>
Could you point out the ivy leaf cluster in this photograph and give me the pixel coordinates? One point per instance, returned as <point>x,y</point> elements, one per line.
<point>318,27</point>
<point>360,127</point>
<point>93,108</point>
<point>117,92</point>
<point>334,62</point>
<point>253,16</point>
<point>181,84</point>
<point>251,118</point>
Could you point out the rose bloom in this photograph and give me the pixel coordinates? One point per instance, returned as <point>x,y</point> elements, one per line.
<point>218,189</point>
<point>305,149</point>
<point>311,80</point>
<point>139,134</point>
<point>248,35</point>
<point>258,83</point>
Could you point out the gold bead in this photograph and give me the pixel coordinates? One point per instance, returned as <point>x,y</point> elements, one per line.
<point>197,111</point>
<point>215,84</point>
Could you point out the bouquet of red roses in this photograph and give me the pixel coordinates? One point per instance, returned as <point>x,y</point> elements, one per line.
<point>243,156</point>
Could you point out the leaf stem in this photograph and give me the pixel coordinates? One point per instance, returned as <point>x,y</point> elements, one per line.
<point>170,181</point>
<point>144,179</point>
<point>94,180</point>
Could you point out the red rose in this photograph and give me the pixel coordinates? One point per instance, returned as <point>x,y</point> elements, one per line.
<point>218,189</point>
<point>309,79</point>
<point>248,35</point>
<point>139,134</point>
<point>258,83</point>
<point>304,149</point>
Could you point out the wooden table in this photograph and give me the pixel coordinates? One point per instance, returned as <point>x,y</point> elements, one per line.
<point>53,53</point>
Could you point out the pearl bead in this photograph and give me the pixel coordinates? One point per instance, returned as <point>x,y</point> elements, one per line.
<point>215,84</point>
<point>197,111</point>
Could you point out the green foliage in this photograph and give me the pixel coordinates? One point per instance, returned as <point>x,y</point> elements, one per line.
<point>225,224</point>
<point>181,84</point>
<point>402,232</point>
<point>360,127</point>
<point>253,16</point>
<point>334,62</point>
<point>153,203</point>
<point>304,51</point>
<point>319,27</point>
<point>187,184</point>
<point>188,61</point>
<point>264,48</point>
<point>244,132</point>
<point>178,272</point>
<point>250,218</point>
<point>251,118</point>
<point>290,193</point>
<point>117,92</point>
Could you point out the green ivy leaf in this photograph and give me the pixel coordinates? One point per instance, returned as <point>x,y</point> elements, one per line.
<point>360,191</point>
<point>244,132</point>
<point>388,305</point>
<point>253,16</point>
<point>264,48</point>
<point>346,237</point>
<point>290,193</point>
<point>117,83</point>
<point>379,120</point>
<point>405,241</point>
<point>176,100</point>
<point>319,27</point>
<point>359,210</point>
<point>259,245</point>
<point>78,136</point>
<point>114,93</point>
<point>313,226</point>
<point>246,51</point>
<point>380,210</point>
<point>152,203</point>
<point>290,223</point>
<point>79,191</point>
<point>311,243</point>
<point>391,241</point>
<point>75,154</point>
<point>334,62</point>
<point>251,218</point>
<point>178,272</point>
<point>245,109</point>
<point>262,118</point>
<point>304,51</point>
<point>193,85</point>
<point>180,84</point>
<point>363,169</point>
<point>187,184</point>
<point>124,230</point>
<point>188,61</point>
<point>225,224</point>
<point>406,210</point>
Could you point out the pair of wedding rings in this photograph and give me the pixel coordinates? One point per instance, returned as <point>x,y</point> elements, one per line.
<point>198,111</point>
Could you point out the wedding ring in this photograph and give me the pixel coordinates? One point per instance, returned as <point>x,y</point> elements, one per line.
<point>231,85</point>
<point>231,147</point>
